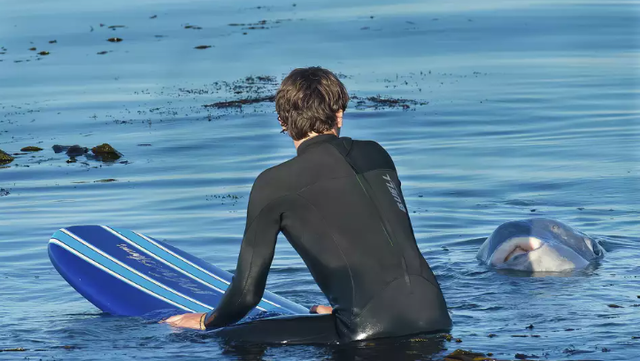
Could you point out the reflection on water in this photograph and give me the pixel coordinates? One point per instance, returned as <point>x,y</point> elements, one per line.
<point>513,110</point>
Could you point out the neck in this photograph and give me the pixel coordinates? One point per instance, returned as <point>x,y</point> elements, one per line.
<point>297,143</point>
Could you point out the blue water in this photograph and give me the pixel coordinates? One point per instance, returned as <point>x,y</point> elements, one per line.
<point>521,109</point>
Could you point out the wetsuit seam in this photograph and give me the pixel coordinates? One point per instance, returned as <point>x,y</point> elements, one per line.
<point>250,223</point>
<point>353,289</point>
<point>322,180</point>
<point>426,279</point>
<point>364,309</point>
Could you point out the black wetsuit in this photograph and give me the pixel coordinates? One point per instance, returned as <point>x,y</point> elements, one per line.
<point>340,206</point>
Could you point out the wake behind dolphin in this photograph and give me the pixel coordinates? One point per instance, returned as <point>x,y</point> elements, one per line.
<point>539,245</point>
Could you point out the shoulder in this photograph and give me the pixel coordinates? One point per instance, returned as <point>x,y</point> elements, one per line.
<point>272,183</point>
<point>370,146</point>
<point>371,154</point>
<point>275,176</point>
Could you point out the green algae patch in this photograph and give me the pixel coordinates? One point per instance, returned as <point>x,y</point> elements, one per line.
<point>464,355</point>
<point>5,158</point>
<point>106,152</point>
<point>31,148</point>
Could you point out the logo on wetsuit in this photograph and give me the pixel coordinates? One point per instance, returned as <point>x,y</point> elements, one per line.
<point>394,192</point>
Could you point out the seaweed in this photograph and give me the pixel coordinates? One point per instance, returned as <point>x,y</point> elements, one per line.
<point>240,102</point>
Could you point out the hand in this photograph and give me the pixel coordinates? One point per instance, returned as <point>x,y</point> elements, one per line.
<point>187,320</point>
<point>320,309</point>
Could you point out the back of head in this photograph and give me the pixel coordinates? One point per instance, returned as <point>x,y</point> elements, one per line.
<point>308,100</point>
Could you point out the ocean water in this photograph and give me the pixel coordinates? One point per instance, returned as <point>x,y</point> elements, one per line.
<point>512,110</point>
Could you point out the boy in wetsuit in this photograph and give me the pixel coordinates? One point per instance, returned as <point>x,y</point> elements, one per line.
<point>339,204</point>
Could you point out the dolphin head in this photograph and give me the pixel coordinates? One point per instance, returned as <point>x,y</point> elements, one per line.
<point>539,245</point>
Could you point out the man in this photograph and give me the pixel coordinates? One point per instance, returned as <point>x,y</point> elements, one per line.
<point>339,204</point>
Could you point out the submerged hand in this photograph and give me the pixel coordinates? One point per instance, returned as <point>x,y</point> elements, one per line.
<point>187,320</point>
<point>320,309</point>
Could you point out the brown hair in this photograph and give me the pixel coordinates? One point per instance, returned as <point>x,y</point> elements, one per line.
<point>308,100</point>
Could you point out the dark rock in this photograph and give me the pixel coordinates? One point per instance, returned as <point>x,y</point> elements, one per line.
<point>31,148</point>
<point>76,151</point>
<point>4,192</point>
<point>5,158</point>
<point>102,52</point>
<point>612,305</point>
<point>53,41</point>
<point>106,152</point>
<point>59,148</point>
<point>71,150</point>
<point>203,47</point>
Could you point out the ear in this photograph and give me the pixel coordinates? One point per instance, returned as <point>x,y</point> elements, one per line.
<point>339,118</point>
<point>284,126</point>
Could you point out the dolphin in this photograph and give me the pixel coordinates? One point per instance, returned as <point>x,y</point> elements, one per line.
<point>539,245</point>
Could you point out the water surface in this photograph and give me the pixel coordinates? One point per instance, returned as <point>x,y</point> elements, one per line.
<point>515,110</point>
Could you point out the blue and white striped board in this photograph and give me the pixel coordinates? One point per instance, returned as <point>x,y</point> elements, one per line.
<point>129,274</point>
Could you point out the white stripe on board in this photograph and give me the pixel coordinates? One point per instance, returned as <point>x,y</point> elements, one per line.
<point>133,270</point>
<point>89,260</point>
<point>193,264</point>
<point>122,237</point>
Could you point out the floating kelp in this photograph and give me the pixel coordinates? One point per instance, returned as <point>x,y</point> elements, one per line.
<point>464,355</point>
<point>43,53</point>
<point>31,148</point>
<point>153,16</point>
<point>32,49</point>
<point>240,102</point>
<point>194,27</point>
<point>106,152</point>
<point>114,27</point>
<point>380,102</point>
<point>202,47</point>
<point>102,52</point>
<point>4,192</point>
<point>114,40</point>
<point>5,158</point>
<point>53,41</point>
<point>260,25</point>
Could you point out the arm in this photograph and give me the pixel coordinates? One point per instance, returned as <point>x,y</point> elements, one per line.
<point>256,253</point>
